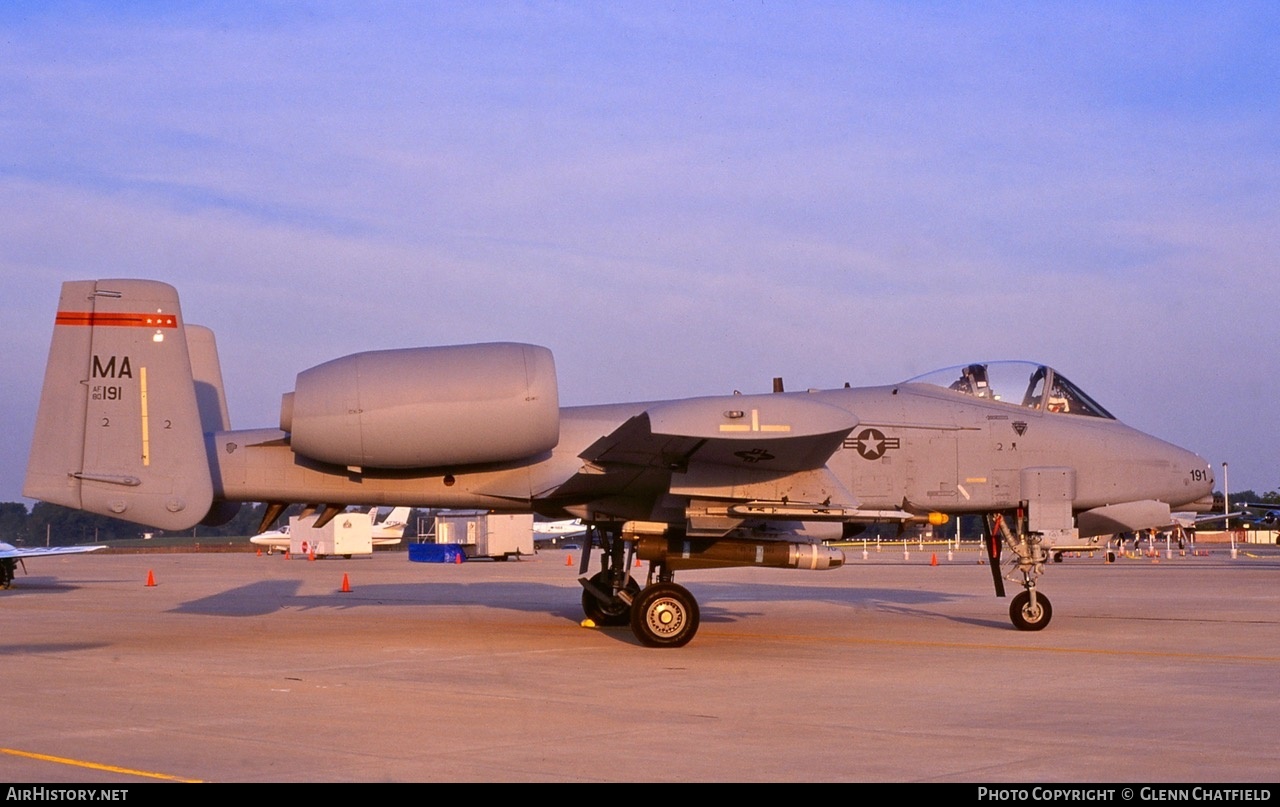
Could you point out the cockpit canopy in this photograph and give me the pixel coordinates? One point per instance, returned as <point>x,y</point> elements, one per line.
<point>1034,386</point>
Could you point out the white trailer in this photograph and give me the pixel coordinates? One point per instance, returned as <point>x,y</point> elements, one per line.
<point>346,535</point>
<point>482,534</point>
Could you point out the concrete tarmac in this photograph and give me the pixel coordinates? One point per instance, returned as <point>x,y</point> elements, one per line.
<point>238,668</point>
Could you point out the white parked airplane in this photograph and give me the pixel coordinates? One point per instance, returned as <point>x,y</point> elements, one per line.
<point>569,528</point>
<point>388,532</point>
<point>11,556</point>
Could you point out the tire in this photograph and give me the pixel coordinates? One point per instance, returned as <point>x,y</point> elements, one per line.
<point>1024,618</point>
<point>613,614</point>
<point>665,615</point>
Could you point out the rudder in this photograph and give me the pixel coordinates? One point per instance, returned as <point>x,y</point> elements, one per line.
<point>118,431</point>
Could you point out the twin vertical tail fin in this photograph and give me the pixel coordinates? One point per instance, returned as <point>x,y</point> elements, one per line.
<point>119,431</point>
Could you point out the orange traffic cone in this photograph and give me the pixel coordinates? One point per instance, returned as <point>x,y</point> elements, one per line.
<point>457,558</point>
<point>151,579</point>
<point>311,555</point>
<point>933,561</point>
<point>637,563</point>
<point>346,585</point>
<point>568,560</point>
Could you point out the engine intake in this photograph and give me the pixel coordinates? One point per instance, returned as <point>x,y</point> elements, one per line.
<point>426,407</point>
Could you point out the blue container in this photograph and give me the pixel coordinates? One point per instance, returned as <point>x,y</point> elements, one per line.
<point>436,553</point>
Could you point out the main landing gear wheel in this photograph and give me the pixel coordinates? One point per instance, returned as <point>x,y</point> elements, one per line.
<point>664,615</point>
<point>614,613</point>
<point>1026,617</point>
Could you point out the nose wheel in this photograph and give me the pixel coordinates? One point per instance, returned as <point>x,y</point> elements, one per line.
<point>1029,614</point>
<point>665,615</point>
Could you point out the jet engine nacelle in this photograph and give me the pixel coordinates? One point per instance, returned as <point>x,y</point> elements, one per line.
<point>426,407</point>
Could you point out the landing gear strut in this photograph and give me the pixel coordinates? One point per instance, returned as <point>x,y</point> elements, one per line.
<point>607,596</point>
<point>1029,610</point>
<point>662,614</point>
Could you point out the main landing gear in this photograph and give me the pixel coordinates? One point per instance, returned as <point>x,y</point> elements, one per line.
<point>665,615</point>
<point>662,614</point>
<point>612,609</point>
<point>1029,610</point>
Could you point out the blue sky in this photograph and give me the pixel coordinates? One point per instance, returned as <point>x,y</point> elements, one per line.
<point>680,199</point>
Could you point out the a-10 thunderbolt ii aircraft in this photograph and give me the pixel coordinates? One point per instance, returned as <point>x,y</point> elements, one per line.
<point>133,424</point>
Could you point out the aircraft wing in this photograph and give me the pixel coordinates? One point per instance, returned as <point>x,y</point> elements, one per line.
<point>780,432</point>
<point>7,551</point>
<point>1189,519</point>
<point>745,449</point>
<point>1270,516</point>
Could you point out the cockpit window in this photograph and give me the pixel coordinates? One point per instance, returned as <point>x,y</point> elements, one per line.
<point>1034,386</point>
<point>1067,397</point>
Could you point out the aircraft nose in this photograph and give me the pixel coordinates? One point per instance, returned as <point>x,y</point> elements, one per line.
<point>1196,474</point>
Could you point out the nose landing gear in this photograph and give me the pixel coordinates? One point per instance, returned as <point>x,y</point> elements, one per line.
<point>1030,610</point>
